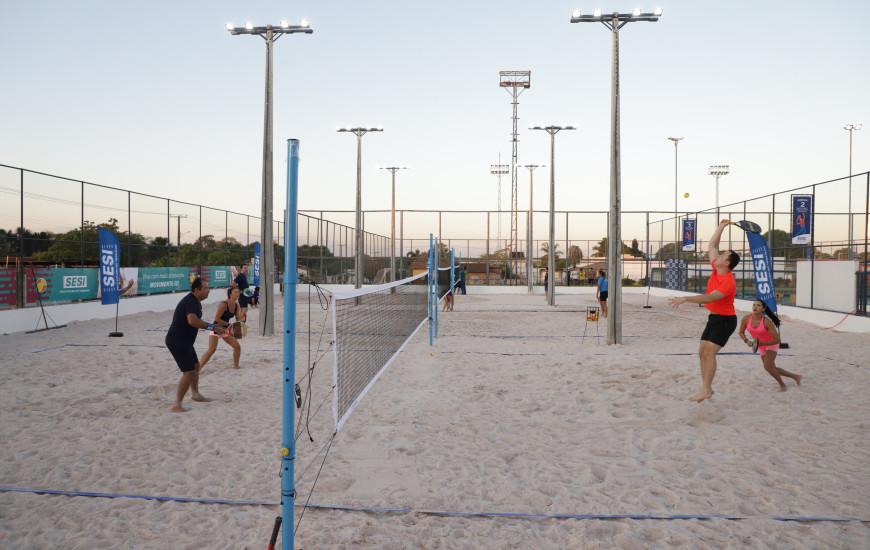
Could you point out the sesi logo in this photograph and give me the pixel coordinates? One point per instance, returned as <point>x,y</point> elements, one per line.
<point>75,281</point>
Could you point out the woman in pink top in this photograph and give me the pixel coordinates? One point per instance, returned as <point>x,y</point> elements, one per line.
<point>763,325</point>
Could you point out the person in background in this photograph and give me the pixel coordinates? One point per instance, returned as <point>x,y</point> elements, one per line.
<point>241,282</point>
<point>226,310</point>
<point>763,325</point>
<point>186,322</point>
<point>255,299</point>
<point>601,292</point>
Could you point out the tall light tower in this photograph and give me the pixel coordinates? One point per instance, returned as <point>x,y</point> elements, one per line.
<point>551,252</point>
<point>393,170</point>
<point>717,171</point>
<point>499,170</point>
<point>270,34</point>
<point>677,239</point>
<point>850,128</point>
<point>614,22</point>
<point>515,83</point>
<point>358,265</point>
<point>530,247</point>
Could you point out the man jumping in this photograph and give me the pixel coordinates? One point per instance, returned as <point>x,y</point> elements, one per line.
<point>719,299</point>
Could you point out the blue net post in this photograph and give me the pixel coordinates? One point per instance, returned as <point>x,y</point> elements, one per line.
<point>291,280</point>
<point>429,269</point>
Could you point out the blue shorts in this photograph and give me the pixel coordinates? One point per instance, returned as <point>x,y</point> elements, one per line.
<point>183,353</point>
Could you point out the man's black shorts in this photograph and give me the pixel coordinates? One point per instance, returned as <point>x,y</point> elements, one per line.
<point>183,353</point>
<point>602,295</point>
<point>244,301</point>
<point>719,329</point>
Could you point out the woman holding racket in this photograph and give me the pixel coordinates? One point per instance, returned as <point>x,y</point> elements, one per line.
<point>763,325</point>
<point>226,310</point>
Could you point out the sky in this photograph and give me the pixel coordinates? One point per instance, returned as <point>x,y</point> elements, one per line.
<point>159,98</point>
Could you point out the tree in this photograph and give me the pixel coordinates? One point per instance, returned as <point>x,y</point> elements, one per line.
<point>545,259</point>
<point>574,254</point>
<point>68,247</point>
<point>781,245</point>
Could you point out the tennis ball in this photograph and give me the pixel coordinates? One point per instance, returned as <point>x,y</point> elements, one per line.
<point>430,353</point>
<point>41,285</point>
<point>686,196</point>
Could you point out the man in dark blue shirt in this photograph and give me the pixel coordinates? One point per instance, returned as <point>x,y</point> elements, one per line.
<point>186,322</point>
<point>241,282</point>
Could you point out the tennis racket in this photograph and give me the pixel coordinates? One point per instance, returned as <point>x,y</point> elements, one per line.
<point>748,226</point>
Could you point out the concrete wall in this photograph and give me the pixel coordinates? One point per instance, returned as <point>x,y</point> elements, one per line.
<point>834,285</point>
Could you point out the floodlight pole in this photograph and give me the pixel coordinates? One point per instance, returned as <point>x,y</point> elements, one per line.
<point>530,247</point>
<point>393,170</point>
<point>614,22</point>
<point>551,253</point>
<point>269,34</point>
<point>850,128</point>
<point>498,170</point>
<point>358,252</point>
<point>717,171</point>
<point>515,83</point>
<point>677,239</point>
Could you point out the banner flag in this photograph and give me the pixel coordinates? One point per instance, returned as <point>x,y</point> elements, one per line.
<point>763,269</point>
<point>801,219</point>
<point>110,264</point>
<point>688,235</point>
<point>256,264</point>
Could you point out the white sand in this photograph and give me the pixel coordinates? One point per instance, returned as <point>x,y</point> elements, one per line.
<point>514,413</point>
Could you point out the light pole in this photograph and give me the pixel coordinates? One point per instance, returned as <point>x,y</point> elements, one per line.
<point>269,34</point>
<point>393,170</point>
<point>614,22</point>
<point>358,252</point>
<point>551,253</point>
<point>850,128</point>
<point>676,195</point>
<point>530,248</point>
<point>717,171</point>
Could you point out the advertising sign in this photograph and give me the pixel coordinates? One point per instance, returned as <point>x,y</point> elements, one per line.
<point>110,263</point>
<point>256,265</point>
<point>801,219</point>
<point>689,235</point>
<point>152,280</point>
<point>63,284</point>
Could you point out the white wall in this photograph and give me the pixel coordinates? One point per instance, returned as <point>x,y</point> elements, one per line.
<point>834,285</point>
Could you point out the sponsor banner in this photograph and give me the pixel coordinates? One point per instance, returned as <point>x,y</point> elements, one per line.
<point>110,262</point>
<point>763,269</point>
<point>152,280</point>
<point>256,264</point>
<point>801,219</point>
<point>8,279</point>
<point>129,281</point>
<point>689,235</point>
<point>217,276</point>
<point>62,284</point>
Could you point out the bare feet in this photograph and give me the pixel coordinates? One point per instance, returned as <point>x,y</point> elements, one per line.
<point>178,409</point>
<point>702,395</point>
<point>798,378</point>
<point>236,367</point>
<point>783,388</point>
<point>200,398</point>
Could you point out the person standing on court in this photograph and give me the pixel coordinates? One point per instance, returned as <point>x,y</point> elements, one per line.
<point>241,282</point>
<point>601,293</point>
<point>463,274</point>
<point>763,326</point>
<point>186,322</point>
<point>719,300</point>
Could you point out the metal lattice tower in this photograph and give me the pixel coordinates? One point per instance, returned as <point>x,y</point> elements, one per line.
<point>515,82</point>
<point>499,170</point>
<point>717,171</point>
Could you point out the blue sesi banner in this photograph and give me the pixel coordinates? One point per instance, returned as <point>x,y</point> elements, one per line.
<point>763,269</point>
<point>256,276</point>
<point>801,219</point>
<point>689,235</point>
<point>110,264</point>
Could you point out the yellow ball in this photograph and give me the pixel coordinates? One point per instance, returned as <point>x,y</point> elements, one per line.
<point>430,353</point>
<point>41,285</point>
<point>686,196</point>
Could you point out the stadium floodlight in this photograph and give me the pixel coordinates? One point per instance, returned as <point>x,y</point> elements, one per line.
<point>269,34</point>
<point>551,252</point>
<point>614,22</point>
<point>850,128</point>
<point>358,265</point>
<point>393,170</point>
<point>285,24</point>
<point>530,237</point>
<point>717,171</point>
<point>635,12</point>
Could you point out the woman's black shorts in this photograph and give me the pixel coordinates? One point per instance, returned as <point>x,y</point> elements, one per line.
<point>602,295</point>
<point>719,328</point>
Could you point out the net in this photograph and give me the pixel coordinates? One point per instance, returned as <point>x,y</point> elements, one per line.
<point>371,327</point>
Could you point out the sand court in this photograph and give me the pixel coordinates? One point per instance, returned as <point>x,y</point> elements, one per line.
<point>515,432</point>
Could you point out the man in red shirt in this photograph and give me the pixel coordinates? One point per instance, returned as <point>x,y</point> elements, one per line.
<point>719,299</point>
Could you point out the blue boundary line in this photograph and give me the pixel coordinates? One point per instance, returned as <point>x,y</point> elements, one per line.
<point>435,512</point>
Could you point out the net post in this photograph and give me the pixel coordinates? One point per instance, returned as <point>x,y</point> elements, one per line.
<point>291,280</point>
<point>429,269</point>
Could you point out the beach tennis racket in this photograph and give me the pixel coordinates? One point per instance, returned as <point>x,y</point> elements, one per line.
<point>237,330</point>
<point>748,226</point>
<point>755,345</point>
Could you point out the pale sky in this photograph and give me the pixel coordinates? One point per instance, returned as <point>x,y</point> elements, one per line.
<point>159,98</point>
